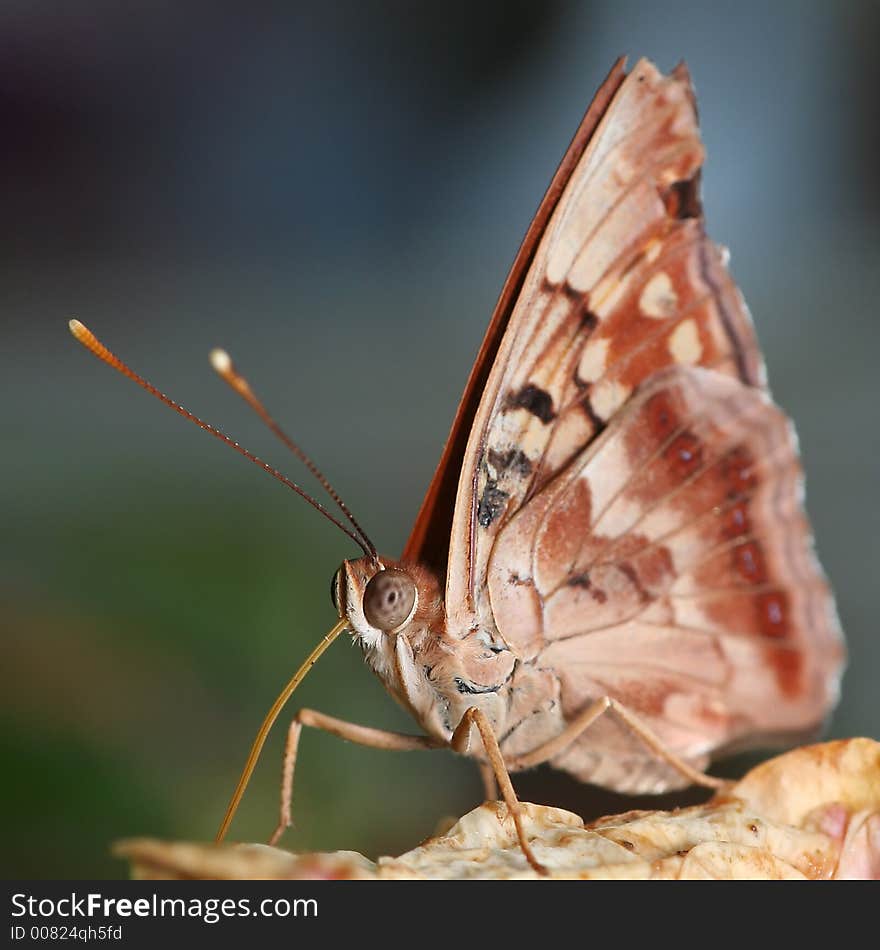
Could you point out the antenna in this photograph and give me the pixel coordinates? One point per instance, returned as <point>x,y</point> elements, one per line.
<point>226,370</point>
<point>91,342</point>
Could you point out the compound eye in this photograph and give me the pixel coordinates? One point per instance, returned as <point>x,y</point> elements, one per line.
<point>335,581</point>
<point>389,599</point>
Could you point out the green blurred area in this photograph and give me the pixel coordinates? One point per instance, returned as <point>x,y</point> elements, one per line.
<point>131,713</point>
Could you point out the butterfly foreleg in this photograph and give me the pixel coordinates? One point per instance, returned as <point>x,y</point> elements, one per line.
<point>460,742</point>
<point>584,720</point>
<point>362,735</point>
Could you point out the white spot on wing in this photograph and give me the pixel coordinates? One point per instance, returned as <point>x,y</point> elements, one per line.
<point>593,361</point>
<point>658,299</point>
<point>684,342</point>
<point>607,397</point>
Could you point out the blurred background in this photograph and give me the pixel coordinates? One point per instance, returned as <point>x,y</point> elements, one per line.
<point>335,192</point>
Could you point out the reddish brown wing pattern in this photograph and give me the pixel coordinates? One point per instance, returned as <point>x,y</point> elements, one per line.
<point>428,543</point>
<point>670,568</point>
<point>664,560</point>
<point>624,282</point>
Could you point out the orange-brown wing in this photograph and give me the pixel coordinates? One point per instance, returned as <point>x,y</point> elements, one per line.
<point>623,282</point>
<point>670,566</point>
<point>429,541</point>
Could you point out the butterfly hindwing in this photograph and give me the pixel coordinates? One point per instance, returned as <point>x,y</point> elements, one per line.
<point>670,567</point>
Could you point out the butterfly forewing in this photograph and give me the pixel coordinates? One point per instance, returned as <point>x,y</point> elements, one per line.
<point>628,516</point>
<point>624,282</point>
<point>428,542</point>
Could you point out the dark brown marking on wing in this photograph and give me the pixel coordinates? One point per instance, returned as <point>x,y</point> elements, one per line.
<point>581,301</point>
<point>581,304</point>
<point>583,580</point>
<point>514,460</point>
<point>534,400</point>
<point>632,576</point>
<point>595,419</point>
<point>682,199</point>
<point>492,503</point>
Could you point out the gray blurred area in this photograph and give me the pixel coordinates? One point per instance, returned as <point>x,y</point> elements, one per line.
<point>334,193</point>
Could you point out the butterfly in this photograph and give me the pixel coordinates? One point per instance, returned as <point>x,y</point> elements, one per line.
<point>612,570</point>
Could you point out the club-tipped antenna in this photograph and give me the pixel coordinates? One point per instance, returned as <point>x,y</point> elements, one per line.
<point>227,371</point>
<point>91,342</point>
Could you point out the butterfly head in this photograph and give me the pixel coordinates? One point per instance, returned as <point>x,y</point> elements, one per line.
<point>380,597</point>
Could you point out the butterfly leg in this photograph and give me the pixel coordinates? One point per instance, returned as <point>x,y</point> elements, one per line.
<point>490,785</point>
<point>460,742</point>
<point>586,719</point>
<point>362,735</point>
